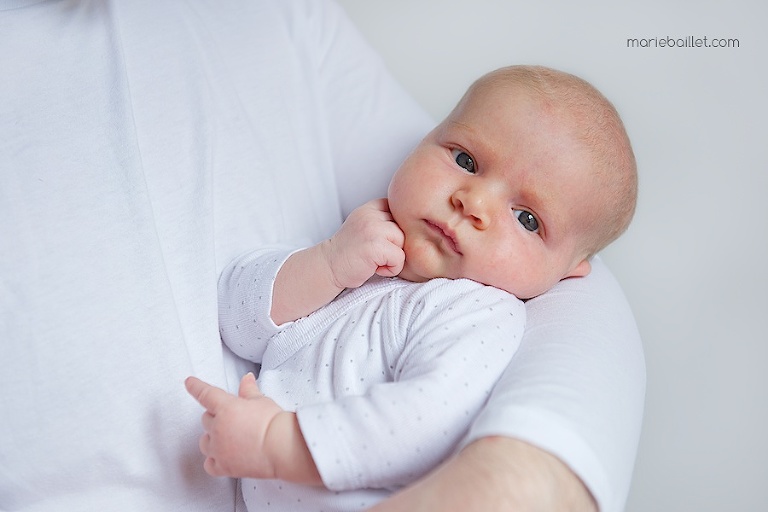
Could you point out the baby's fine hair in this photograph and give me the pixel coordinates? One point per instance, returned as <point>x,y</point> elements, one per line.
<point>598,125</point>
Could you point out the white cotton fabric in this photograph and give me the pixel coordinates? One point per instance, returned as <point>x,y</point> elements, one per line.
<point>385,380</point>
<point>144,145</point>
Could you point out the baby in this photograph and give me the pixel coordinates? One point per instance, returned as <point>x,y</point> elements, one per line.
<point>371,380</point>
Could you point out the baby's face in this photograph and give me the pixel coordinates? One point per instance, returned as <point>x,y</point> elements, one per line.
<point>498,193</point>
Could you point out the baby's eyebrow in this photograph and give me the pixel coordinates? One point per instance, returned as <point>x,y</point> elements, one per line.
<point>461,127</point>
<point>468,137</point>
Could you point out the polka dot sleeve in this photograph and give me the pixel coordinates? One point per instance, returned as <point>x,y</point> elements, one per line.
<point>245,302</point>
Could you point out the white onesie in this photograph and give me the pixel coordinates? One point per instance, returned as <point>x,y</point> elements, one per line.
<point>385,379</point>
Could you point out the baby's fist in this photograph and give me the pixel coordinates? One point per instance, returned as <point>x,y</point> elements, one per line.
<point>369,242</point>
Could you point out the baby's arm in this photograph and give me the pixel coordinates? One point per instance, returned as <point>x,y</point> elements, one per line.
<point>447,343</point>
<point>250,436</point>
<point>369,242</point>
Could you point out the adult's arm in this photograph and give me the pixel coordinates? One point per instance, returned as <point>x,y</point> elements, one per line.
<point>496,474</point>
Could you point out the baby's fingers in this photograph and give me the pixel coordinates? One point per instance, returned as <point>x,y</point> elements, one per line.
<point>391,262</point>
<point>248,387</point>
<point>208,396</point>
<point>212,468</point>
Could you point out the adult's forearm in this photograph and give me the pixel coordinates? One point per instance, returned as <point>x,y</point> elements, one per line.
<point>496,474</point>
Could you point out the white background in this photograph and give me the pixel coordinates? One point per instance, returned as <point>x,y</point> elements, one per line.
<point>694,262</point>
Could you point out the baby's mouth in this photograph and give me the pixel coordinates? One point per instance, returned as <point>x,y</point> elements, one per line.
<point>446,234</point>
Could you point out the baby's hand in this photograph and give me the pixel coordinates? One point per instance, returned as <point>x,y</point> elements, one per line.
<point>369,242</point>
<point>235,429</point>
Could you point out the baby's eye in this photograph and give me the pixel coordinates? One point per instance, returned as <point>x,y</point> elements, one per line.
<point>527,219</point>
<point>465,161</point>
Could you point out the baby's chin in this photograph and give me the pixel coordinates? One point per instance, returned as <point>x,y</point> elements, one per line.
<point>409,274</point>
<point>425,260</point>
<point>524,291</point>
<point>422,269</point>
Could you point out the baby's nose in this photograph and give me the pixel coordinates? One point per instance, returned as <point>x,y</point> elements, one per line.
<point>473,204</point>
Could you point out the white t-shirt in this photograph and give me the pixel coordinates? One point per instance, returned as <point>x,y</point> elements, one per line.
<point>385,380</point>
<point>143,145</point>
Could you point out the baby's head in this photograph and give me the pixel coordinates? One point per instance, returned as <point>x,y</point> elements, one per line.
<point>529,176</point>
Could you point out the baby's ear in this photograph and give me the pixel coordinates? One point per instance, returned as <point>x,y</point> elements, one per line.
<point>581,269</point>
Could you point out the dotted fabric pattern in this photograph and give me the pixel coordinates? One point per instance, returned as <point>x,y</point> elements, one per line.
<point>385,380</point>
